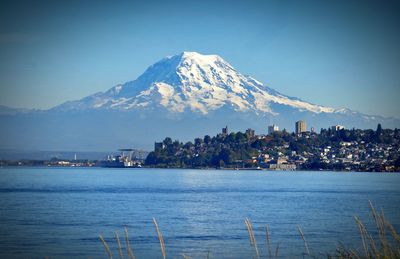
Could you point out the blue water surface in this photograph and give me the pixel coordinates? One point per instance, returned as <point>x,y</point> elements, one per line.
<point>60,212</point>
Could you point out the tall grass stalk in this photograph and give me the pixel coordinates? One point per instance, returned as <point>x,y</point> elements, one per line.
<point>384,244</point>
<point>160,238</point>
<point>128,246</point>
<point>277,250</point>
<point>119,245</point>
<point>304,239</point>
<point>268,241</point>
<point>106,247</point>
<point>252,238</point>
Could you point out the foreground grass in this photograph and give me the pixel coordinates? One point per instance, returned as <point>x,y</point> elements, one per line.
<point>384,244</point>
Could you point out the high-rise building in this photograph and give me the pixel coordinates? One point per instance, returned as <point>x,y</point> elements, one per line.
<point>337,127</point>
<point>225,131</point>
<point>272,128</point>
<point>250,133</point>
<point>301,127</point>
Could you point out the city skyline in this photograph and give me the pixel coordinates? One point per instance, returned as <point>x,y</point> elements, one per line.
<point>333,54</point>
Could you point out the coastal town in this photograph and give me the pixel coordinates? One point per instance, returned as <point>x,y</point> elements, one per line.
<point>335,148</point>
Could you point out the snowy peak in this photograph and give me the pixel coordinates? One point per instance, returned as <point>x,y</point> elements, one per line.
<point>197,57</point>
<point>185,66</point>
<point>189,59</point>
<point>194,82</point>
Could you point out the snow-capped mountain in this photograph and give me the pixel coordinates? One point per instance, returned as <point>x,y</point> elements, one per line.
<point>193,82</point>
<point>183,96</point>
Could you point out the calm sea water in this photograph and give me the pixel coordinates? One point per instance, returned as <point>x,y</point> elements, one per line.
<point>60,213</point>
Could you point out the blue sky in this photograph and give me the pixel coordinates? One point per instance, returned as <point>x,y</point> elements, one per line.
<point>334,53</point>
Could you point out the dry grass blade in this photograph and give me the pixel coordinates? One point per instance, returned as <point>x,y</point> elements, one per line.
<point>268,241</point>
<point>185,256</point>
<point>106,247</point>
<point>384,244</point>
<point>249,231</point>
<point>252,238</point>
<point>128,246</point>
<point>304,239</point>
<point>380,224</point>
<point>393,232</point>
<point>208,254</point>
<point>277,250</point>
<point>370,249</point>
<point>160,238</point>
<point>119,246</point>
<point>382,236</point>
<point>354,254</point>
<point>342,252</point>
<point>362,233</point>
<point>389,249</point>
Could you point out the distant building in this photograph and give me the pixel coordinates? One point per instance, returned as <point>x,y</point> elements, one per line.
<point>337,127</point>
<point>250,133</point>
<point>225,131</point>
<point>301,127</point>
<point>312,130</point>
<point>158,146</point>
<point>272,128</point>
<point>281,164</point>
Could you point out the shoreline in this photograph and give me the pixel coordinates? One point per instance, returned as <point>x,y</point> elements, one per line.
<point>192,168</point>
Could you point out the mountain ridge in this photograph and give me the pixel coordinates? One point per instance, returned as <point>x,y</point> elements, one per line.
<point>182,96</point>
<point>192,81</point>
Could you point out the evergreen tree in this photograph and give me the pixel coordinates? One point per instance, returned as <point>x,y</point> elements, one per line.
<point>378,133</point>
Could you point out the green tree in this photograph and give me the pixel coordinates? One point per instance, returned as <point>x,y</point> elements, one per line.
<point>207,139</point>
<point>241,137</point>
<point>188,145</point>
<point>378,133</point>
<point>151,159</point>
<point>379,130</point>
<point>198,142</point>
<point>167,141</point>
<point>226,155</point>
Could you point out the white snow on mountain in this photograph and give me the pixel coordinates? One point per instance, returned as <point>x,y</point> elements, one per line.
<point>183,97</point>
<point>195,82</point>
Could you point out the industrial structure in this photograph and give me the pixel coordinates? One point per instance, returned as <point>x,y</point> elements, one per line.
<point>121,161</point>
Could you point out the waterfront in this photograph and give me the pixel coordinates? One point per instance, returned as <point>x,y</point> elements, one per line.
<point>59,212</point>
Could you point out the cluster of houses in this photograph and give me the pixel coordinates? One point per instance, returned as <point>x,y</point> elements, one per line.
<point>354,155</point>
<point>351,156</point>
<point>306,150</point>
